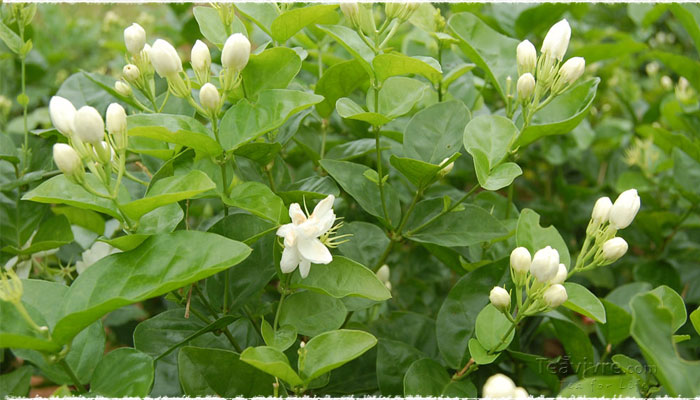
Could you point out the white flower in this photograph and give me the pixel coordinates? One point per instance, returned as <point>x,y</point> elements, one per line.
<point>526,86</point>
<point>134,38</point>
<point>555,296</point>
<point>614,248</point>
<point>62,114</point>
<point>383,273</point>
<point>666,82</point>
<point>131,72</point>
<point>526,56</point>
<point>520,393</point>
<point>200,57</point>
<point>236,52</point>
<point>301,237</point>
<point>500,298</point>
<point>116,125</point>
<point>520,260</point>
<point>601,210</point>
<point>498,386</point>
<point>557,40</point>
<point>66,159</point>
<point>545,264</point>
<point>625,209</point>
<point>572,69</point>
<point>95,253</point>
<point>164,58</point>
<point>209,97</point>
<point>89,126</point>
<point>561,275</point>
<point>122,88</point>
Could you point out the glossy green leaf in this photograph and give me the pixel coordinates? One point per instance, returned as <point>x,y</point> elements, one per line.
<point>366,244</point>
<point>351,178</point>
<point>393,360</point>
<point>312,313</point>
<point>337,81</point>
<point>562,115</point>
<point>689,16</point>
<point>10,38</point>
<point>393,64</point>
<point>418,172</point>
<point>120,366</point>
<point>481,355</point>
<point>8,150</point>
<point>488,49</point>
<point>247,121</point>
<point>52,233</point>
<point>492,135</point>
<point>259,200</point>
<point>602,386</point>
<point>584,302</point>
<point>290,22</point>
<point>272,69</point>
<point>263,14</point>
<point>497,178</point>
<point>81,90</point>
<point>212,28</point>
<point>695,320</point>
<point>85,218</point>
<point>311,188</point>
<point>397,96</point>
<point>16,383</point>
<point>330,350</point>
<point>674,303</point>
<point>343,277</point>
<point>531,235</point>
<point>178,129</point>
<point>576,343</point>
<point>282,339</point>
<point>617,327</point>
<point>491,328</point>
<point>349,109</point>
<point>259,152</point>
<point>217,372</point>
<point>162,263</point>
<point>427,378</point>
<point>167,191</point>
<point>271,361</point>
<point>436,132</point>
<point>351,41</point>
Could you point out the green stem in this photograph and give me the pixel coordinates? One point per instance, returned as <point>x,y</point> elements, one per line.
<point>505,336</point>
<point>404,220</point>
<point>120,173</point>
<point>72,376</point>
<point>384,256</point>
<point>279,305</point>
<point>441,213</point>
<point>510,200</point>
<point>379,169</point>
<point>135,179</point>
<point>389,35</point>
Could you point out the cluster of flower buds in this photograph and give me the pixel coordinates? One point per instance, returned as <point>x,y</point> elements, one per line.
<point>383,274</point>
<point>138,71</point>
<point>499,386</point>
<point>87,142</point>
<point>545,74</point>
<point>400,10</point>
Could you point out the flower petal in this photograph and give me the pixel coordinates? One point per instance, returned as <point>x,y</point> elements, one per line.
<point>324,206</point>
<point>296,214</point>
<point>314,251</point>
<point>284,230</point>
<point>304,268</point>
<point>290,259</point>
<point>326,222</point>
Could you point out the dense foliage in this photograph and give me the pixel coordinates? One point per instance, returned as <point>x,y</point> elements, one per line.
<point>399,199</point>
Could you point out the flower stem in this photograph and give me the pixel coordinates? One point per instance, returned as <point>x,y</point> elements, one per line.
<point>279,305</point>
<point>443,212</point>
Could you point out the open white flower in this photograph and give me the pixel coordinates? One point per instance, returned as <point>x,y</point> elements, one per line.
<point>95,253</point>
<point>302,245</point>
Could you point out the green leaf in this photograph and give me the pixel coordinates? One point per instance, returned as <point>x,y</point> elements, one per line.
<point>491,327</point>
<point>85,218</point>
<point>492,135</point>
<point>351,41</point>
<point>419,173</point>
<point>695,320</point>
<point>562,115</point>
<point>212,28</point>
<point>290,22</point>
<point>497,178</point>
<point>351,178</point>
<point>465,225</point>
<point>584,302</point>
<point>120,366</point>
<point>674,303</point>
<point>481,355</point>
<point>16,383</point>
<point>576,343</point>
<point>397,96</point>
<point>393,64</point>
<point>311,188</point>
<point>282,339</point>
<point>263,14</point>
<point>488,49</point>
<point>617,327</point>
<point>602,386</point>
<point>532,236</point>
<point>217,372</point>
<point>8,150</point>
<point>167,191</point>
<point>312,313</point>
<point>60,190</point>
<point>686,174</point>
<point>81,90</point>
<point>652,328</point>
<point>52,233</point>
<point>337,81</point>
<point>427,378</point>
<point>349,109</point>
<point>330,350</point>
<point>273,362</point>
<point>10,38</point>
<point>260,152</point>
<point>162,263</point>
<point>343,277</point>
<point>457,316</point>
<point>435,133</point>
<point>272,69</point>
<point>393,360</point>
<point>259,200</point>
<point>247,121</point>
<point>689,16</point>
<point>366,244</point>
<point>178,129</point>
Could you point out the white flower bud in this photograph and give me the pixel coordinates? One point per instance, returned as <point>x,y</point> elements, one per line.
<point>236,52</point>
<point>89,126</point>
<point>302,344</point>
<point>652,68</point>
<point>526,86</point>
<point>601,210</point>
<point>383,273</point>
<point>520,393</point>
<point>500,298</point>
<point>666,82</point>
<point>561,275</point>
<point>557,40</point>
<point>122,88</point>
<point>625,209</point>
<point>62,114</point>
<point>131,72</point>
<point>134,38</point>
<point>520,260</point>
<point>447,169</point>
<point>209,97</point>
<point>66,159</point>
<point>104,152</point>
<point>555,295</point>
<point>526,57</point>
<point>116,125</point>
<point>164,58</point>
<point>351,10</point>
<point>572,69</point>
<point>498,386</point>
<point>614,248</point>
<point>545,264</point>
<point>200,57</point>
